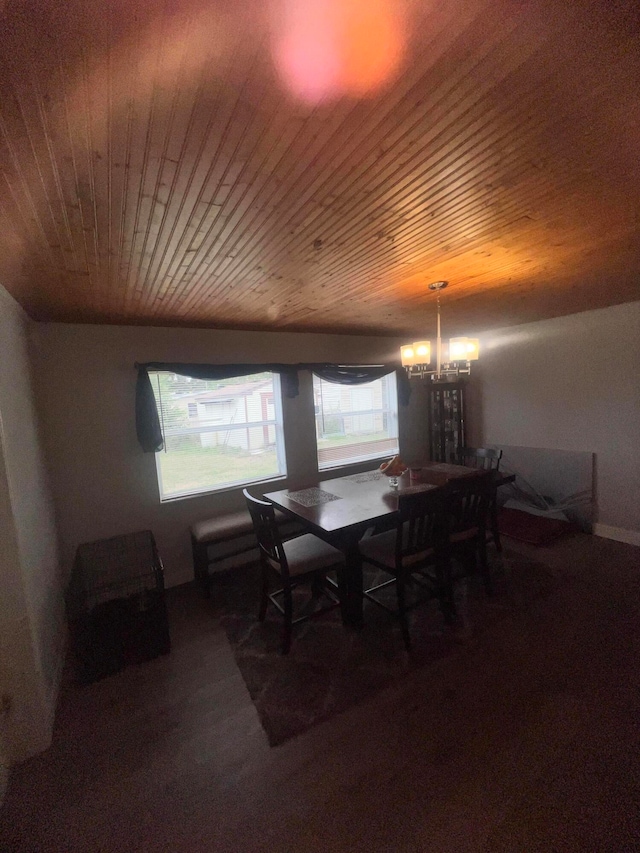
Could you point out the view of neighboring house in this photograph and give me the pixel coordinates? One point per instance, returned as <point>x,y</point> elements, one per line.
<point>204,420</point>
<point>231,406</point>
<point>355,422</point>
<point>222,416</point>
<point>349,410</point>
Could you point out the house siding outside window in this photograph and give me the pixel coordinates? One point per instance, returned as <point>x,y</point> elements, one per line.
<point>355,423</point>
<point>218,434</point>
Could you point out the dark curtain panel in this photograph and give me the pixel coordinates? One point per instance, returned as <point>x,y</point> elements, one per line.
<point>148,427</point>
<point>361,374</point>
<point>147,420</point>
<point>288,372</point>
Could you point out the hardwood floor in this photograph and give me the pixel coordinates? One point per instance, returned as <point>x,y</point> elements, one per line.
<point>525,741</point>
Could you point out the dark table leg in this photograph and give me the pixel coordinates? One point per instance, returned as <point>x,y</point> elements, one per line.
<point>352,610</point>
<point>343,594</point>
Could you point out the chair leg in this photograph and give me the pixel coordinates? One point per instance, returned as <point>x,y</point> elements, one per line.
<point>468,557</point>
<point>288,620</point>
<point>264,594</point>
<point>317,586</point>
<point>445,589</point>
<point>402,612</point>
<point>484,564</point>
<point>494,524</point>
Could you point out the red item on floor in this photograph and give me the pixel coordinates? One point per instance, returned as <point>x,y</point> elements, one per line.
<point>533,529</point>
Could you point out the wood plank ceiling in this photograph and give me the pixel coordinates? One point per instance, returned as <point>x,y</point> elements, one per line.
<point>156,169</point>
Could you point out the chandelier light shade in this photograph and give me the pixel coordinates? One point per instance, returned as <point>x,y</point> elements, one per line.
<point>416,353</point>
<point>407,355</point>
<point>464,349</point>
<point>416,357</point>
<point>422,350</point>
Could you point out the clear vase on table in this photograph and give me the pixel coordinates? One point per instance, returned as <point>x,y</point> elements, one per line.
<point>393,470</point>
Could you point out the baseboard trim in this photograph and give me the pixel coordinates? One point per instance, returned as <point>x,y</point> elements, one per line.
<point>630,537</point>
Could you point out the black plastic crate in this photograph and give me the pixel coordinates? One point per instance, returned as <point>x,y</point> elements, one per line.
<point>116,605</point>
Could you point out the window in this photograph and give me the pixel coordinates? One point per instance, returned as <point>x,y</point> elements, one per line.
<point>218,433</point>
<point>355,422</point>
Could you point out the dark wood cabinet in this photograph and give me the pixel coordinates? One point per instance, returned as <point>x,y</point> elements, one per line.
<point>446,420</point>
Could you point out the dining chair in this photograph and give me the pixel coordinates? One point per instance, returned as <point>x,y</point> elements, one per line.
<point>467,501</point>
<point>417,542</point>
<point>305,559</point>
<point>487,459</point>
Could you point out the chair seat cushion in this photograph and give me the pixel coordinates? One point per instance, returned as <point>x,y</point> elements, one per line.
<point>227,526</point>
<point>463,535</point>
<point>307,554</point>
<point>382,549</point>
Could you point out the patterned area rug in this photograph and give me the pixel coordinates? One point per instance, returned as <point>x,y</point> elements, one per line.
<point>330,668</point>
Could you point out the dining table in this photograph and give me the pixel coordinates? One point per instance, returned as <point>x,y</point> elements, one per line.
<point>341,510</point>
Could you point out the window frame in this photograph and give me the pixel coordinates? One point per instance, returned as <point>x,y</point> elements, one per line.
<point>277,422</point>
<point>395,415</point>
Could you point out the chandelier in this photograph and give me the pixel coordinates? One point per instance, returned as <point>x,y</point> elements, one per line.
<point>416,357</point>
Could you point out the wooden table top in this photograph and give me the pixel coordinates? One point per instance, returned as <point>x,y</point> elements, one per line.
<point>359,499</point>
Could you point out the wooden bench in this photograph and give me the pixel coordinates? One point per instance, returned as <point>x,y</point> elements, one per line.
<point>230,527</point>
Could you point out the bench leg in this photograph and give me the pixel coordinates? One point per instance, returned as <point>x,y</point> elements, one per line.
<point>201,567</point>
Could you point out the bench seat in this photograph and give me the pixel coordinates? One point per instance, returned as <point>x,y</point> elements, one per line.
<point>227,528</point>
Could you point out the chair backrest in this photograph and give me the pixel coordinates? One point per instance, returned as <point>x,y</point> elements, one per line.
<point>467,502</point>
<point>420,524</point>
<point>485,458</point>
<point>267,533</point>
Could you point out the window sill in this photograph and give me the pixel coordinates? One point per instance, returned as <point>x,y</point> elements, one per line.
<point>223,489</point>
<point>355,463</point>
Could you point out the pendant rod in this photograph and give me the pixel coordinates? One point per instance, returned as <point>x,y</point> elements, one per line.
<point>439,339</point>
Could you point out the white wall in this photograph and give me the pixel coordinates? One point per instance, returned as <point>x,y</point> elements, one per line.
<point>103,483</point>
<point>32,633</point>
<point>572,383</point>
<point>569,383</point>
<point>563,383</point>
